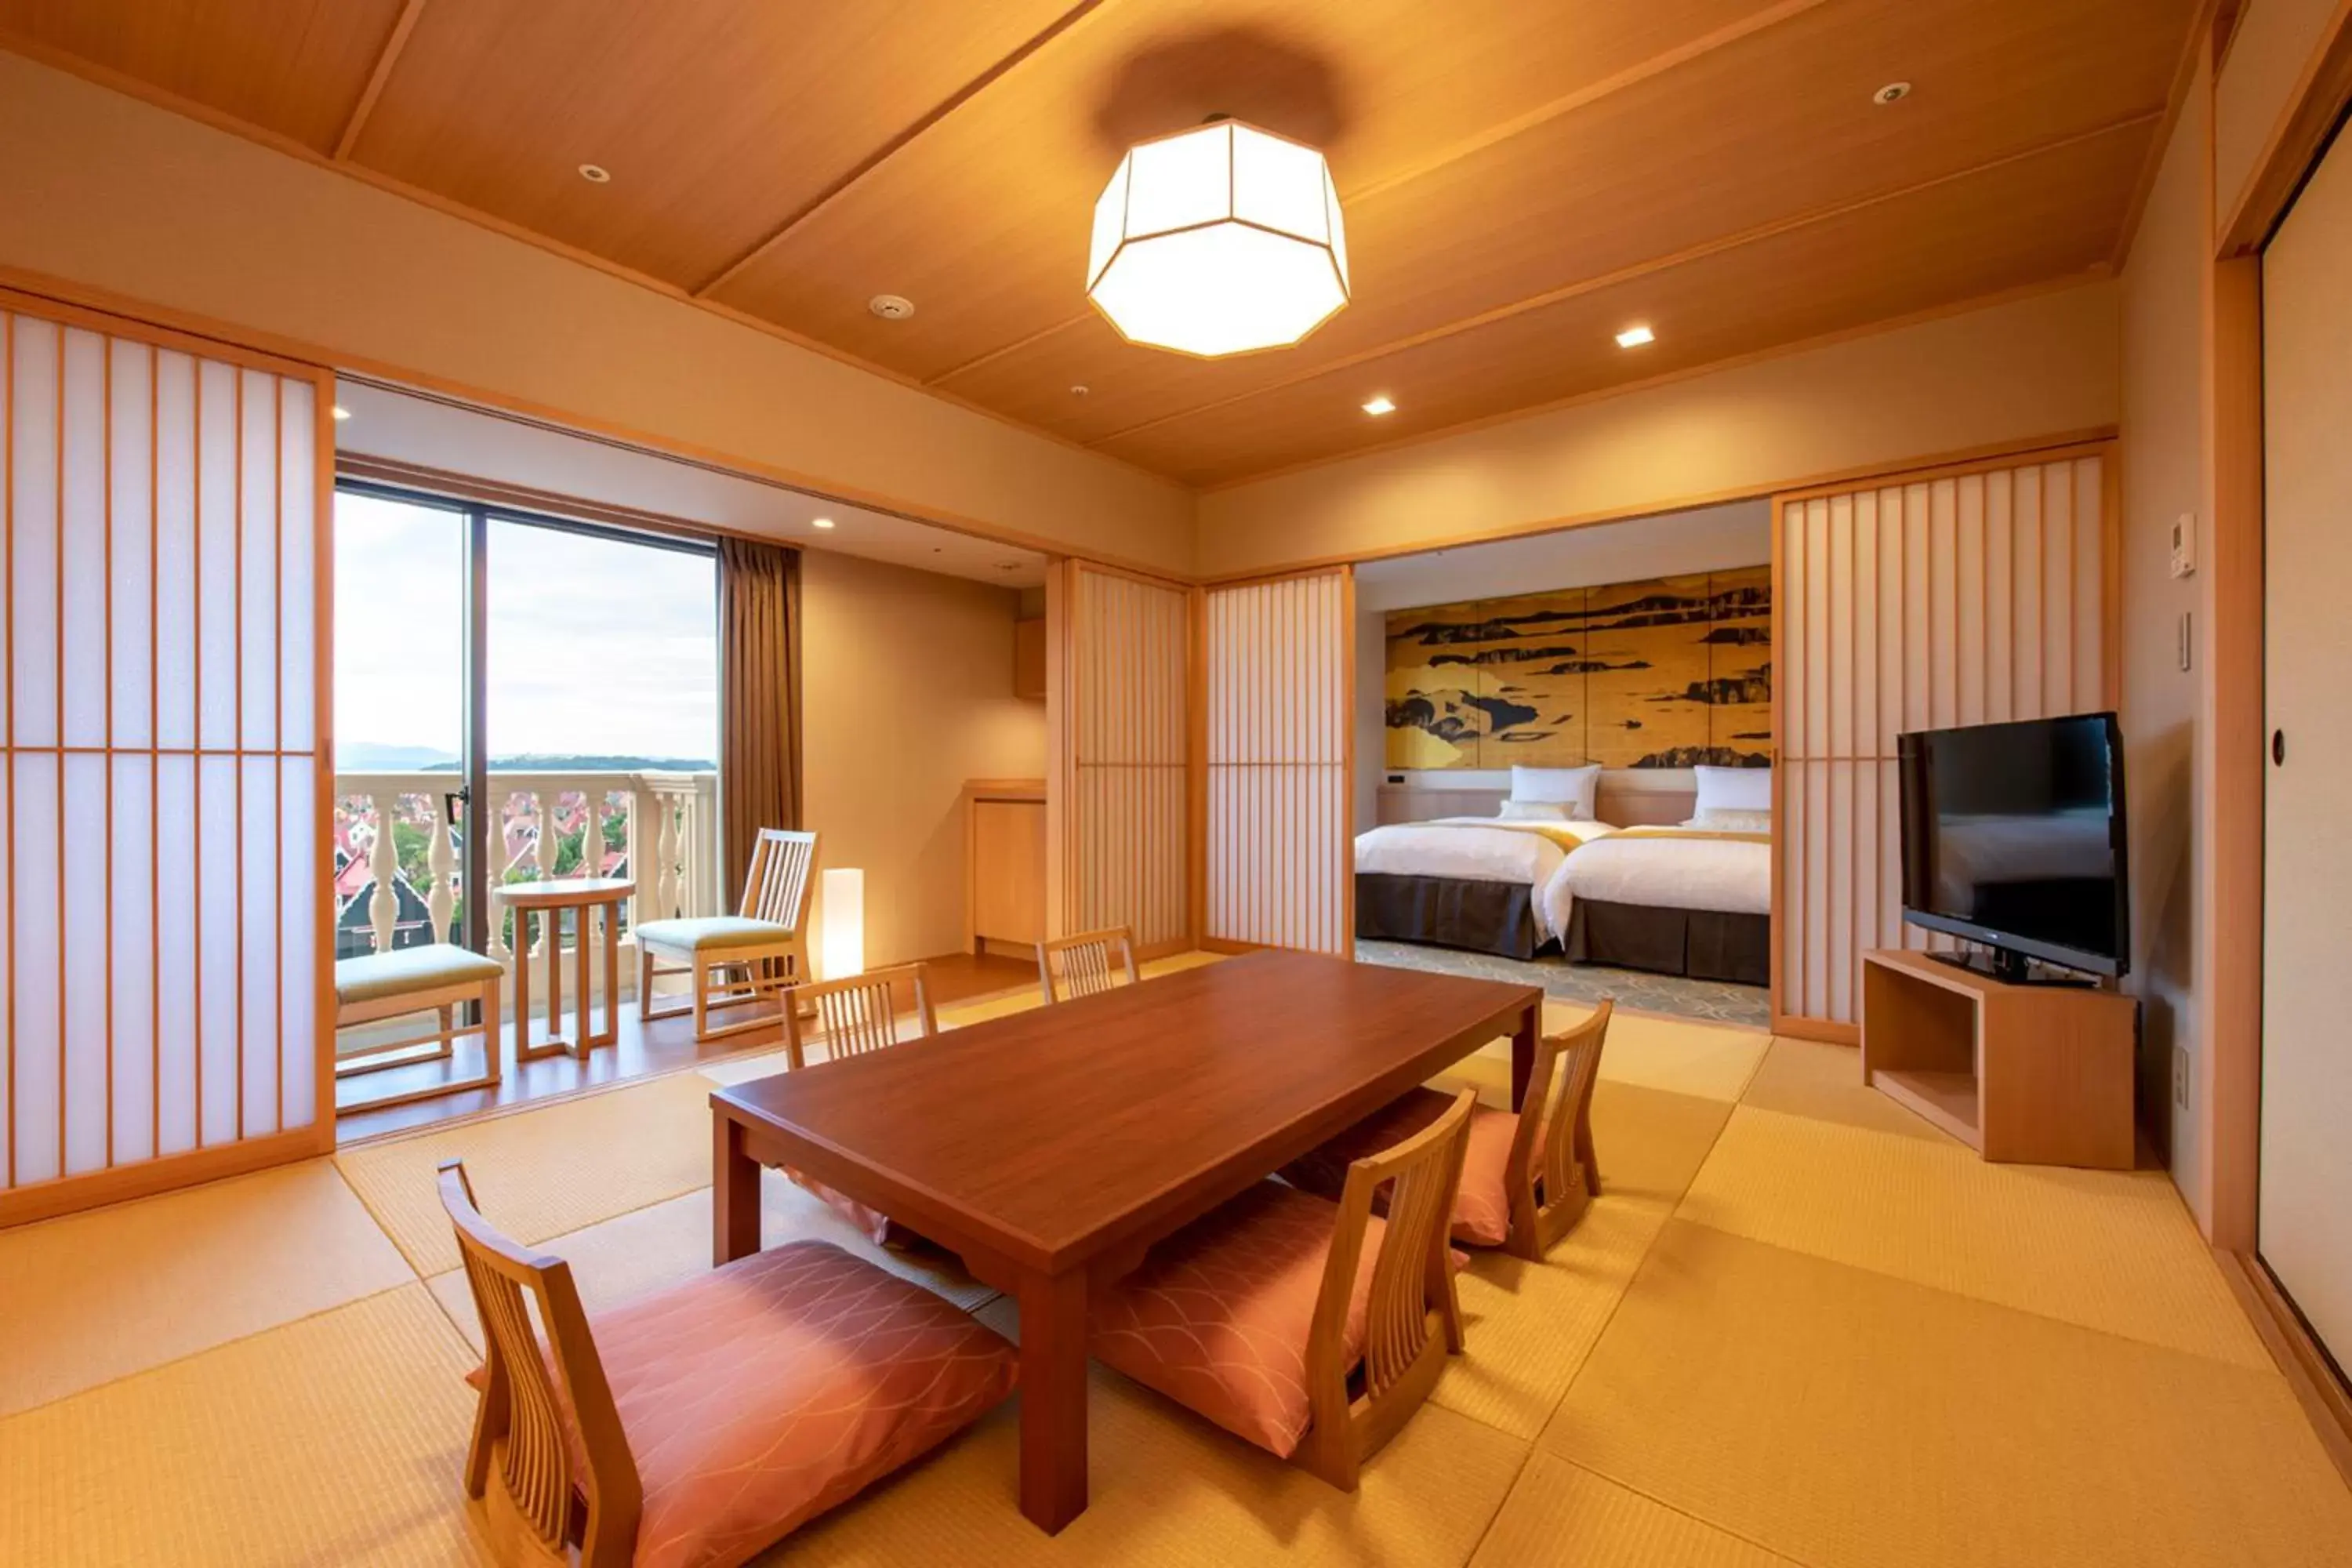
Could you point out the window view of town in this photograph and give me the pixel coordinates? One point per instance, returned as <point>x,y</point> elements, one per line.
<point>602,716</point>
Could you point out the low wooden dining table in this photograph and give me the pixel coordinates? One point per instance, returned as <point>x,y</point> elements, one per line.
<point>1052,1148</point>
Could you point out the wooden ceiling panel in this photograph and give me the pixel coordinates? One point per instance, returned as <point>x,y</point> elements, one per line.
<point>983,221</point>
<point>296,68</point>
<point>1583,197</point>
<point>2046,217</point>
<point>719,120</point>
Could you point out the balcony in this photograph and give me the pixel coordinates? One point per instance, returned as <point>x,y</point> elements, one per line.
<point>399,887</point>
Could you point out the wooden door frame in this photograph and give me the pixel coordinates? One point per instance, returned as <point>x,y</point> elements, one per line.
<point>2306,126</point>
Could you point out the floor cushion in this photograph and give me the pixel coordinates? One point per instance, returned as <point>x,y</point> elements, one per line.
<point>1482,1206</point>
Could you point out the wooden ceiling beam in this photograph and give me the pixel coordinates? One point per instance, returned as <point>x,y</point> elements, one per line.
<point>1493,135</point>
<point>882,154</point>
<point>385,59</point>
<point>1714,247</point>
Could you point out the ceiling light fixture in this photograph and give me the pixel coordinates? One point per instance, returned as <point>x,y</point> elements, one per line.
<point>1218,240</point>
<point>891,307</point>
<point>1892,93</point>
<point>1635,337</point>
<point>821,522</point>
<point>1381,405</point>
<point>595,174</point>
<point>341,413</point>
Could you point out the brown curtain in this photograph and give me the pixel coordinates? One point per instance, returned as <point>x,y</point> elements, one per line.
<point>759,696</point>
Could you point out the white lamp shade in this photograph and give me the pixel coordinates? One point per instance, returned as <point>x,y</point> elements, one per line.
<point>1218,240</point>
<point>845,923</point>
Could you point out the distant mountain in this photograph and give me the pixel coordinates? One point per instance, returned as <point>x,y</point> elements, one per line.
<point>375,757</point>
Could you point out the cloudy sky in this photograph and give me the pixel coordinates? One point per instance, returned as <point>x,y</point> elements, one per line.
<point>596,645</point>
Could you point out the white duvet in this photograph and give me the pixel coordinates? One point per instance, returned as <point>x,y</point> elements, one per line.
<point>1731,876</point>
<point>1482,850</point>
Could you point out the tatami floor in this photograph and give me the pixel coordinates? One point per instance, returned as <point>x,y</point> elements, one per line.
<point>1800,1327</point>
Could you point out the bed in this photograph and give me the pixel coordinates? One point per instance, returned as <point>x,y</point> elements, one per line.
<point>1641,880</point>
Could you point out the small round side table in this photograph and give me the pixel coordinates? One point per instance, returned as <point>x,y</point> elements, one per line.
<point>549,899</point>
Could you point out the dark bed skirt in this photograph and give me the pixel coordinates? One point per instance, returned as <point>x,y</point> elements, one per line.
<point>1703,944</point>
<point>1446,911</point>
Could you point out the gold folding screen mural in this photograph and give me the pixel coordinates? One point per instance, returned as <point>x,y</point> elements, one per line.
<point>1666,673</point>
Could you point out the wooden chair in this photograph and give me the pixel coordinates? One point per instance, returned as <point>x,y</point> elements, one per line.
<point>737,959</point>
<point>1527,1178</point>
<point>1087,962</point>
<point>701,1423</point>
<point>1311,1329</point>
<point>437,978</point>
<point>857,1014</point>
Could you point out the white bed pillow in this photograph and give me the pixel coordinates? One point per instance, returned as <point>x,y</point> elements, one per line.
<point>1535,811</point>
<point>1727,821</point>
<point>1576,788</point>
<point>1732,789</point>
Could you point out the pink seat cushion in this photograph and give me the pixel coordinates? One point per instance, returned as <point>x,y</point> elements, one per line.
<point>1482,1206</point>
<point>764,1392</point>
<point>1217,1318</point>
<point>871,1223</point>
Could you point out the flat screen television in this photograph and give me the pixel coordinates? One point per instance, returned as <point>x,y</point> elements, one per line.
<point>2014,838</point>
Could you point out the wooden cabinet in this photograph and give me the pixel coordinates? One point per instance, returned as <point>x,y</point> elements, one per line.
<point>1029,660</point>
<point>2036,1074</point>
<point>1004,863</point>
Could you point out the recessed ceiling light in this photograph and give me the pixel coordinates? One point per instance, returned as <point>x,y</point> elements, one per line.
<point>596,174</point>
<point>891,307</point>
<point>821,522</point>
<point>1080,390</point>
<point>1892,93</point>
<point>1381,405</point>
<point>341,412</point>
<point>1008,567</point>
<point>1635,337</point>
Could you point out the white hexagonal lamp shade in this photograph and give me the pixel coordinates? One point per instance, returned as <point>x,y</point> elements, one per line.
<point>1218,240</point>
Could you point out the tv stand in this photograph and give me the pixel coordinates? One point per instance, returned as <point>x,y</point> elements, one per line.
<point>2010,968</point>
<point>2027,1074</point>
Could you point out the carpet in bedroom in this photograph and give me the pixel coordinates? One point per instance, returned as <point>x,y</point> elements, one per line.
<point>1715,1001</point>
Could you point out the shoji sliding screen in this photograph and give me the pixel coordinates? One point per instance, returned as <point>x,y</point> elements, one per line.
<point>1119,649</point>
<point>1958,598</point>
<point>162,841</point>
<point>1278,665</point>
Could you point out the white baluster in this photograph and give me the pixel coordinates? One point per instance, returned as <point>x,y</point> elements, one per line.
<point>441,860</point>
<point>493,874</point>
<point>383,864</point>
<point>666,855</point>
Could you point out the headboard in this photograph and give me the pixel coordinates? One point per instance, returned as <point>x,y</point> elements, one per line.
<point>1627,797</point>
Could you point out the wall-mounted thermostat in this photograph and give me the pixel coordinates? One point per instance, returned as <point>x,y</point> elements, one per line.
<point>2184,544</point>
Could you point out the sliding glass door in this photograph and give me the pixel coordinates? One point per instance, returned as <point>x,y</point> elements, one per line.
<point>519,698</point>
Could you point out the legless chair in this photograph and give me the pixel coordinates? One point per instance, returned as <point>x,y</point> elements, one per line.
<point>1312,1330</point>
<point>858,1016</point>
<point>1087,962</point>
<point>699,1424</point>
<point>1528,1177</point>
<point>437,978</point>
<point>764,943</point>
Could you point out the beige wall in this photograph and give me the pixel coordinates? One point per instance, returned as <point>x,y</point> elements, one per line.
<point>2028,368</point>
<point>108,192</point>
<point>907,691</point>
<point>2274,40</point>
<point>2165,443</point>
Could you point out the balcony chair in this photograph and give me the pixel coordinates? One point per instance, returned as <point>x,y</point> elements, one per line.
<point>1087,961</point>
<point>437,978</point>
<point>856,1017</point>
<point>737,959</point>
<point>1313,1330</point>
<point>1526,1179</point>
<point>695,1425</point>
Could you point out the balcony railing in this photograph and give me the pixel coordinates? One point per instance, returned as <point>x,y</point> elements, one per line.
<point>397,852</point>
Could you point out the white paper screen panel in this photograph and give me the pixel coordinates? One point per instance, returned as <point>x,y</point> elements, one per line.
<point>160,835</point>
<point>1278,862</point>
<point>1129,652</point>
<point>1966,599</point>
